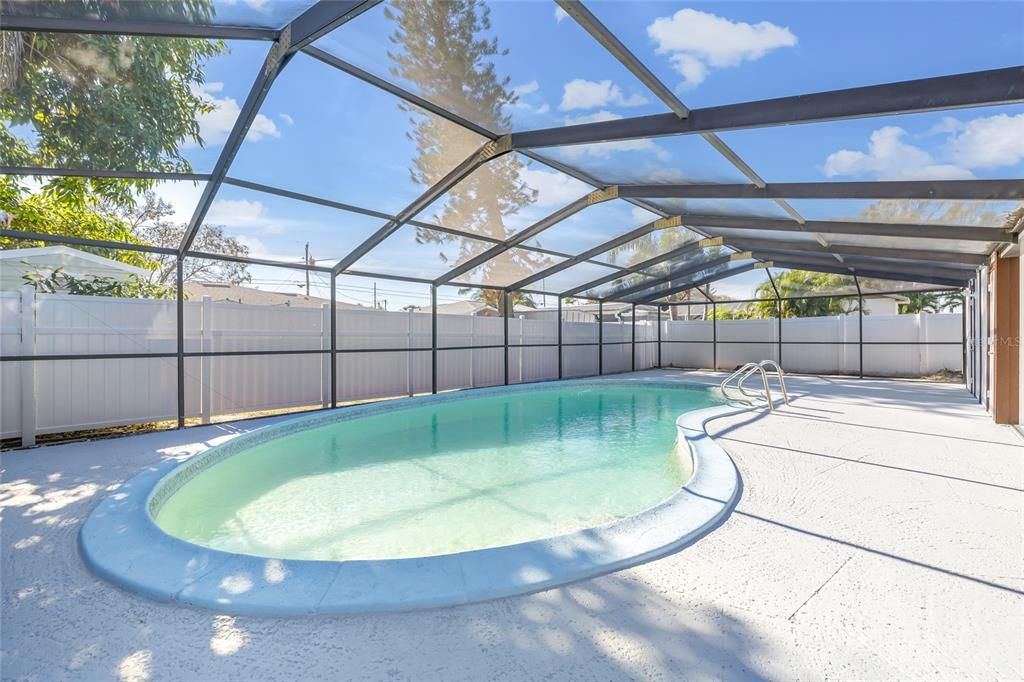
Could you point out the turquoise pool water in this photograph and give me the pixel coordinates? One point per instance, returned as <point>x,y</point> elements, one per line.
<point>443,477</point>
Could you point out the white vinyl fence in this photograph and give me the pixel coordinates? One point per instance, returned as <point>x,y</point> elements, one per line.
<point>65,395</point>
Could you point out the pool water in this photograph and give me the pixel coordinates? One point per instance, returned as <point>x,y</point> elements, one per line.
<point>443,477</point>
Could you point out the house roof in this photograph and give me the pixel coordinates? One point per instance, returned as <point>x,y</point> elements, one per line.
<point>458,308</point>
<point>234,293</point>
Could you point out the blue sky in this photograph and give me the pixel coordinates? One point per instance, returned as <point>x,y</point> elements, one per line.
<point>325,133</point>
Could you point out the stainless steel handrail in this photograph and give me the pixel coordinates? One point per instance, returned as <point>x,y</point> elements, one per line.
<point>764,381</point>
<point>725,381</point>
<point>781,375</point>
<point>748,370</point>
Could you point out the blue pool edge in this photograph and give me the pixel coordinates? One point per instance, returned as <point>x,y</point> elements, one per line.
<point>121,543</point>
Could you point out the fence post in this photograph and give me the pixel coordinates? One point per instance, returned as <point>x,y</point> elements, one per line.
<point>433,338</point>
<point>632,343</point>
<point>844,336</point>
<point>860,334</point>
<point>963,336</point>
<point>325,358</point>
<point>508,302</point>
<point>559,337</point>
<point>472,353</point>
<point>409,356</point>
<point>28,367</point>
<point>714,335</point>
<point>521,323</point>
<point>180,304</point>
<point>600,338</point>
<point>922,337</point>
<point>206,366</point>
<point>334,340</point>
<point>659,335</point>
<point>778,306</point>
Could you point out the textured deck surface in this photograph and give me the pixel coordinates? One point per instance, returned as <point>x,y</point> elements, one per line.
<point>879,536</point>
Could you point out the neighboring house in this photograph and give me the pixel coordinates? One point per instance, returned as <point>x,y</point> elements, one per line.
<point>588,312</point>
<point>16,263</point>
<point>474,308</point>
<point>883,305</point>
<point>220,292</point>
<point>887,304</point>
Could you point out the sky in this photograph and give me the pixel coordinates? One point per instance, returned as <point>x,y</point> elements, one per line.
<point>328,134</point>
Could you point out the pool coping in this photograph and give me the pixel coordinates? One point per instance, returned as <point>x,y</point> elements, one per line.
<point>121,543</point>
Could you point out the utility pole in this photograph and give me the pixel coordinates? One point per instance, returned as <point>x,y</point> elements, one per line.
<point>374,295</point>
<point>307,271</point>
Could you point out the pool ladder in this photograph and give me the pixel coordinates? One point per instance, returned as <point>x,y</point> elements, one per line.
<point>748,370</point>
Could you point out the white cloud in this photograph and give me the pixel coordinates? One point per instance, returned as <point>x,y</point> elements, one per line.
<point>604,150</point>
<point>890,158</point>
<point>694,71</point>
<point>526,88</point>
<point>583,94</point>
<point>286,118</point>
<point>642,215</point>
<point>182,196</point>
<point>215,125</point>
<point>696,41</point>
<point>560,14</point>
<point>983,142</point>
<point>596,117</point>
<point>988,142</point>
<point>947,125</point>
<point>553,188</point>
<point>523,93</point>
<point>242,214</point>
<point>236,212</point>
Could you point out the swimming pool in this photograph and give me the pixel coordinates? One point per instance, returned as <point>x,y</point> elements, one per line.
<point>423,502</point>
<point>443,477</point>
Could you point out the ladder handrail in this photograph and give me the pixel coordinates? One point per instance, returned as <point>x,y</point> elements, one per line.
<point>735,374</point>
<point>748,370</point>
<point>781,375</point>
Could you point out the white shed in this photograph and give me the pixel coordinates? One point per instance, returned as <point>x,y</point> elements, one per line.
<point>16,263</point>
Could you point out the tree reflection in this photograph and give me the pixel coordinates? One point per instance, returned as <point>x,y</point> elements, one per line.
<point>444,48</point>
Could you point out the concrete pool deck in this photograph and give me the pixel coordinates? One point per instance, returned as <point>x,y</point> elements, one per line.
<point>879,536</point>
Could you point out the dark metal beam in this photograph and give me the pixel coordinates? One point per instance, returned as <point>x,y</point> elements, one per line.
<point>980,88</point>
<point>878,252</point>
<point>83,241</point>
<point>610,42</point>
<point>686,271</point>
<point>366,76</point>
<point>956,232</point>
<point>298,196</point>
<point>414,99</point>
<point>860,272</point>
<point>248,260</point>
<point>985,190</point>
<point>92,173</point>
<point>661,223</point>
<point>668,255</point>
<point>703,280</point>
<point>595,197</point>
<point>904,267</point>
<point>488,151</point>
<point>138,27</point>
<point>323,16</point>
